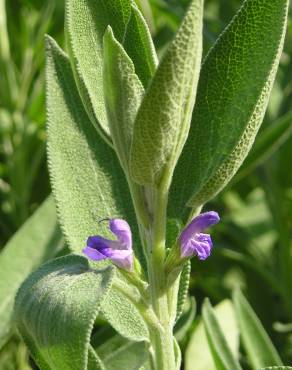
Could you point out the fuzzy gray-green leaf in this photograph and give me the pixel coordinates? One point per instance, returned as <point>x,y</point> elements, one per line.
<point>163,119</point>
<point>260,350</point>
<point>184,282</point>
<point>123,93</point>
<point>81,164</point>
<point>277,368</point>
<point>119,353</point>
<point>235,84</point>
<point>122,309</point>
<point>139,46</point>
<point>55,310</point>
<point>198,347</point>
<point>222,355</point>
<point>268,142</point>
<point>86,22</point>
<point>36,241</point>
<point>186,319</point>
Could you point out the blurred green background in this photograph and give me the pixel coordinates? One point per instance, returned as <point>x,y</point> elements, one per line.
<point>253,241</point>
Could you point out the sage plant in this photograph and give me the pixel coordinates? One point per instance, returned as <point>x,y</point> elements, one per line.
<point>136,147</point>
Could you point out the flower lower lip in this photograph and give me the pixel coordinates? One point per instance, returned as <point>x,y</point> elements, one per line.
<point>192,239</point>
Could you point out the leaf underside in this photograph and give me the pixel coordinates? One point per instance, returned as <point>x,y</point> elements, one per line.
<point>223,357</point>
<point>55,311</point>
<point>260,350</point>
<point>198,347</point>
<point>87,179</point>
<point>38,240</point>
<point>234,87</point>
<point>164,116</point>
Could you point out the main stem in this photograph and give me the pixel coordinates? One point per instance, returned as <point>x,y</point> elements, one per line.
<point>152,225</point>
<point>162,338</point>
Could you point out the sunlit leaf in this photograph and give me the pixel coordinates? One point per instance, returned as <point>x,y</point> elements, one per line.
<point>88,182</point>
<point>38,240</point>
<point>123,94</point>
<point>55,310</point>
<point>260,350</point>
<point>163,119</point>
<point>233,92</point>
<point>198,348</point>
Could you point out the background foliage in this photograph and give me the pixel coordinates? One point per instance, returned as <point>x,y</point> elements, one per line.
<point>253,241</point>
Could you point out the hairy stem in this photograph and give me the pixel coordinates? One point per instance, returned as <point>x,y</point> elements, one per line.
<point>162,340</point>
<point>150,207</point>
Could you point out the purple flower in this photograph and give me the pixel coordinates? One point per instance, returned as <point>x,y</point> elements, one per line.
<point>118,251</point>
<point>193,241</point>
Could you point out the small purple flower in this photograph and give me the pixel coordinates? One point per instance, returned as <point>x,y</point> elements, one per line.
<point>118,251</point>
<point>193,241</point>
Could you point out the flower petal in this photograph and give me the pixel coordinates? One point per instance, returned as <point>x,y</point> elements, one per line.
<point>99,243</point>
<point>93,254</point>
<point>202,246</point>
<point>121,258</point>
<point>199,224</point>
<point>187,249</point>
<point>118,251</point>
<point>122,231</point>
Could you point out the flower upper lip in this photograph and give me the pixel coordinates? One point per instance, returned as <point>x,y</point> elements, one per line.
<point>193,241</point>
<point>118,251</point>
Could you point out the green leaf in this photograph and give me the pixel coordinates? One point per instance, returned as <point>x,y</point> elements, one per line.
<point>122,308</point>
<point>198,347</point>
<point>55,310</point>
<point>163,119</point>
<point>260,350</point>
<point>119,353</point>
<point>147,366</point>
<point>186,319</point>
<point>123,94</point>
<point>81,164</point>
<point>221,352</point>
<point>84,18</point>
<point>233,92</point>
<point>146,9</point>
<point>177,353</point>
<point>85,25</point>
<point>184,283</point>
<point>139,46</point>
<point>268,142</point>
<point>38,240</point>
<point>277,368</point>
